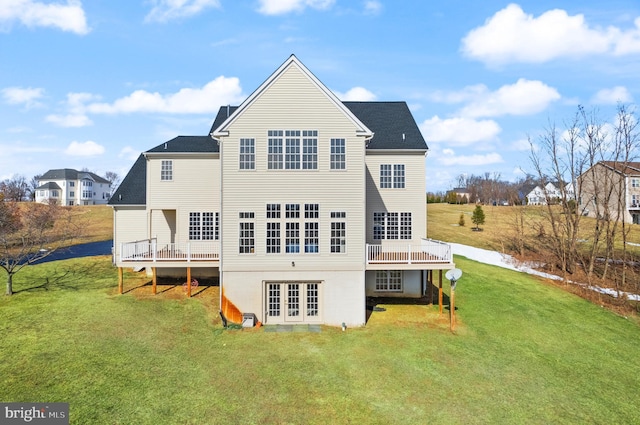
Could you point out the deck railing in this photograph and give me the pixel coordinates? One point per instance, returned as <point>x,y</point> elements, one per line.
<point>151,250</point>
<point>428,251</point>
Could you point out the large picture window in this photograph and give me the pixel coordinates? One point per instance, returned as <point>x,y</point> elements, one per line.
<point>391,225</point>
<point>389,281</point>
<point>392,176</point>
<point>203,226</point>
<point>292,150</point>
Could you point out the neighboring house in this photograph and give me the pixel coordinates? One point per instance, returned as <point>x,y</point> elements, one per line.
<point>301,204</point>
<point>461,195</point>
<point>70,187</point>
<point>551,192</point>
<point>621,180</point>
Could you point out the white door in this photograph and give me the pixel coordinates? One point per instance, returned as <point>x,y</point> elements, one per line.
<point>292,302</point>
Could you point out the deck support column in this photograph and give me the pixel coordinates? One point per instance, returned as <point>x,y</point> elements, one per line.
<point>188,282</point>
<point>431,287</point>
<point>120,280</point>
<point>154,279</point>
<point>440,292</point>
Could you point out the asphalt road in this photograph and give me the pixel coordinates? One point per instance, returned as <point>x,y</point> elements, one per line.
<point>76,251</point>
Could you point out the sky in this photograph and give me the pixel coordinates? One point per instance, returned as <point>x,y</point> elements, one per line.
<point>92,84</point>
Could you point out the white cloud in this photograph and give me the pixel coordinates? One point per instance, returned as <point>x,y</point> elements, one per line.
<point>21,96</point>
<point>356,94</point>
<point>525,97</point>
<point>472,160</point>
<point>372,7</point>
<point>281,7</point>
<point>71,120</point>
<point>88,148</point>
<point>166,10</point>
<point>459,131</point>
<point>612,96</point>
<point>129,153</point>
<point>67,17</point>
<point>221,91</point>
<point>513,36</point>
<point>521,145</point>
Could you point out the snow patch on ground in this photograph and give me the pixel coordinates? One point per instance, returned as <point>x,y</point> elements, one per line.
<point>496,258</point>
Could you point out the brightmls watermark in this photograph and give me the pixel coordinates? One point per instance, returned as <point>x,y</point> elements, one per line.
<point>34,413</point>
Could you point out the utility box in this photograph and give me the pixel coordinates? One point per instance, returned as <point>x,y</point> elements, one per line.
<point>248,320</point>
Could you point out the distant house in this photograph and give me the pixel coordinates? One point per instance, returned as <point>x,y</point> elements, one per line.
<point>550,193</point>
<point>460,194</point>
<point>70,187</point>
<point>622,180</point>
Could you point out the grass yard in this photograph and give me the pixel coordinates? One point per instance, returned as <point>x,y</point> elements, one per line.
<point>523,352</point>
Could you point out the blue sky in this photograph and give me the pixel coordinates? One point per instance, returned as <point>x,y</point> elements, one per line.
<point>91,84</point>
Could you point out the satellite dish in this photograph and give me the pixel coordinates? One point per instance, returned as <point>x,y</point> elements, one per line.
<point>453,274</point>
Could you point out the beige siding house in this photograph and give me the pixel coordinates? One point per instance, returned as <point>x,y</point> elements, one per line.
<point>301,204</point>
<point>611,189</point>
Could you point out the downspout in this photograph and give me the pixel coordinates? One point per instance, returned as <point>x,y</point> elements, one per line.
<point>221,220</point>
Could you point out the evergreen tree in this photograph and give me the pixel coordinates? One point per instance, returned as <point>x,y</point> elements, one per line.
<point>478,217</point>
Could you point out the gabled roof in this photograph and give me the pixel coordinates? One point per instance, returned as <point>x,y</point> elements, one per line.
<point>49,186</point>
<point>71,174</point>
<point>292,61</point>
<point>626,168</point>
<point>133,189</point>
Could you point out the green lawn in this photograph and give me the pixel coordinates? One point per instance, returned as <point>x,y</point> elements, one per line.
<point>523,352</point>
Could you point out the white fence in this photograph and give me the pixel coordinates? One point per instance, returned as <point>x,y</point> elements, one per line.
<point>150,250</point>
<point>429,251</point>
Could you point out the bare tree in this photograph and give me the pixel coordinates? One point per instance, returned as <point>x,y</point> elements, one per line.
<point>114,179</point>
<point>33,185</point>
<point>30,232</point>
<point>15,188</point>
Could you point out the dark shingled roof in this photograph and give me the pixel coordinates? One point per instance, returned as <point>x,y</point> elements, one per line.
<point>188,144</point>
<point>49,185</point>
<point>71,174</point>
<point>133,189</point>
<point>389,121</point>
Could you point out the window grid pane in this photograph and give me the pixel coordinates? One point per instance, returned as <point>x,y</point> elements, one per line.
<point>310,150</point>
<point>385,176</point>
<point>292,237</point>
<point>338,154</point>
<point>292,150</point>
<point>273,306</point>
<point>405,225</point>
<point>166,170</point>
<point>313,300</point>
<point>311,241</point>
<point>247,154</point>
<point>338,237</point>
<point>273,238</point>
<point>293,300</point>
<point>247,240</point>
<point>194,226</point>
<point>398,176</point>
<point>208,226</point>
<point>275,156</point>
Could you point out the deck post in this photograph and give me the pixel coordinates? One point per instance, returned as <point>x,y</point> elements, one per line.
<point>440,292</point>
<point>154,279</point>
<point>188,282</point>
<point>120,280</point>
<point>431,286</point>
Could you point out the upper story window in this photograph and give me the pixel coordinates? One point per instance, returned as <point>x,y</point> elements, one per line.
<point>247,239</point>
<point>310,150</point>
<point>166,170</point>
<point>338,154</point>
<point>338,232</point>
<point>391,225</point>
<point>275,158</point>
<point>292,150</point>
<point>635,182</point>
<point>87,183</point>
<point>392,176</point>
<point>203,226</point>
<point>247,154</point>
<point>72,184</point>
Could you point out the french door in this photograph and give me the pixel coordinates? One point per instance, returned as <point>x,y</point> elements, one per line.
<point>292,302</point>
